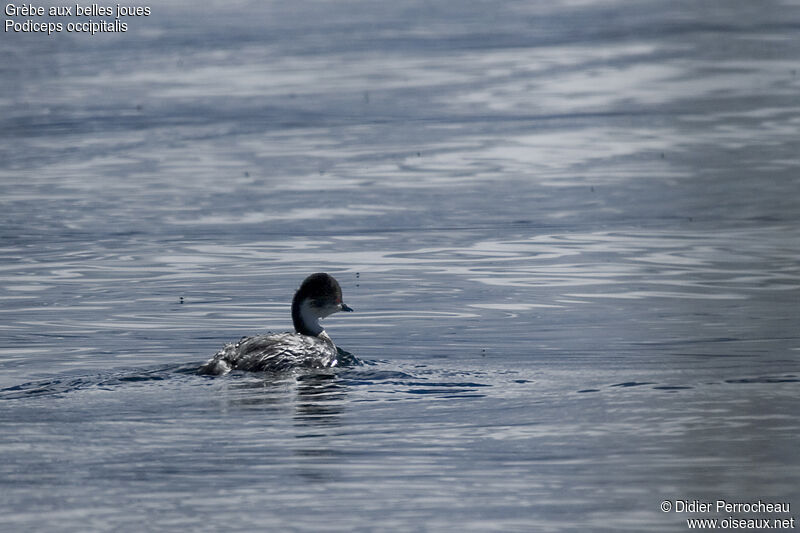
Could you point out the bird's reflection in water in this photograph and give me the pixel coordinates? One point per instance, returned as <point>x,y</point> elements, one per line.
<point>318,414</point>
<point>316,396</point>
<point>315,401</point>
<point>320,400</point>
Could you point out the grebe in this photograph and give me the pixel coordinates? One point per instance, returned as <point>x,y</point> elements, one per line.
<point>309,347</point>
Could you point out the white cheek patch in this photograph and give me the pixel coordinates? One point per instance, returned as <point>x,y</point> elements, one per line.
<point>310,317</point>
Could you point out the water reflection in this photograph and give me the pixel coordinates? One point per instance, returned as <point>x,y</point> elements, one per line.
<point>314,401</point>
<point>313,396</point>
<point>320,400</point>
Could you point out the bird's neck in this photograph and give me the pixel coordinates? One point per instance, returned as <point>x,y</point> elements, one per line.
<point>305,319</point>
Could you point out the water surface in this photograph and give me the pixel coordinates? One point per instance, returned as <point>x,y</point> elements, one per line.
<point>569,232</point>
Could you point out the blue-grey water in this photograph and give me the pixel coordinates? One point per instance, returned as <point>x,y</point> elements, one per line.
<point>570,231</point>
